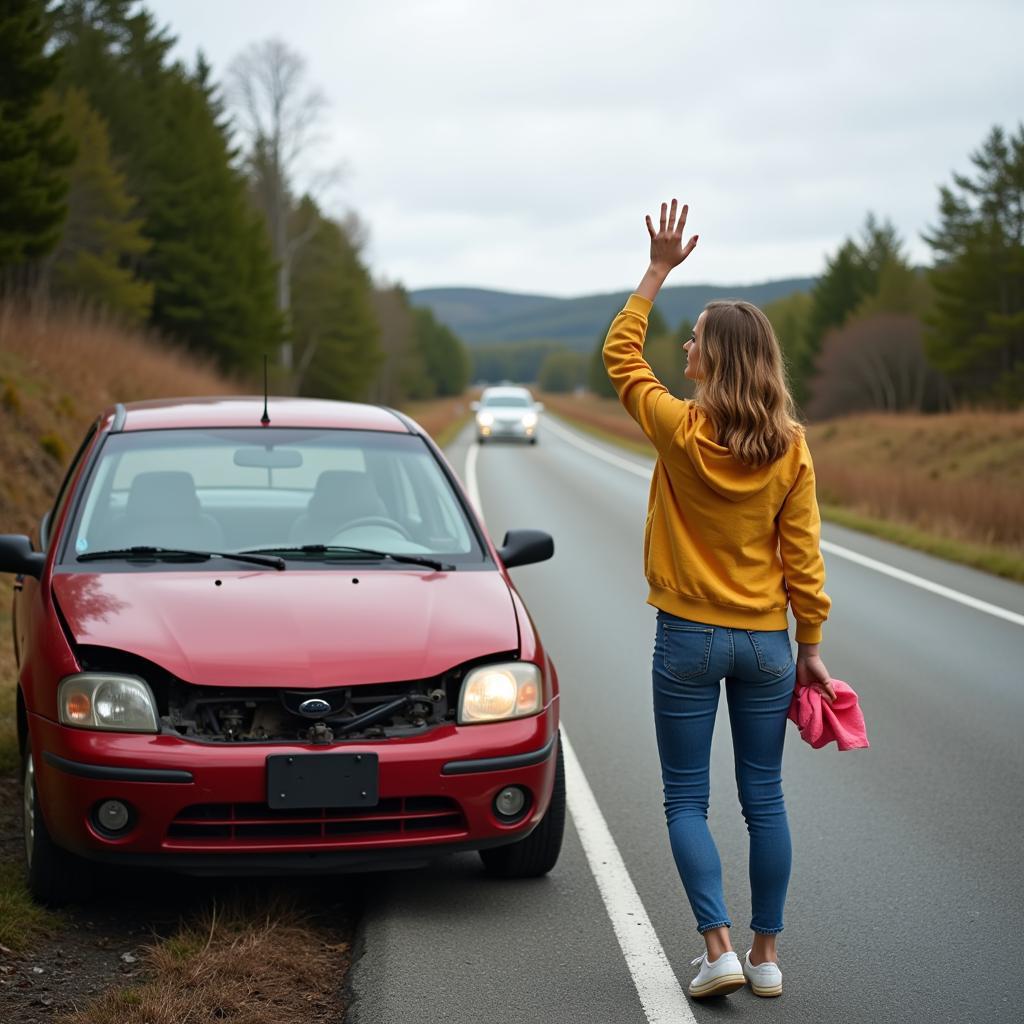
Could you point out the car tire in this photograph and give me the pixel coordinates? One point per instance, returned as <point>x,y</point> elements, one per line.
<point>533,440</point>
<point>55,877</point>
<point>480,440</point>
<point>538,853</point>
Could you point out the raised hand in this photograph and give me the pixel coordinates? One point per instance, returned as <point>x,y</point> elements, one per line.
<point>667,249</point>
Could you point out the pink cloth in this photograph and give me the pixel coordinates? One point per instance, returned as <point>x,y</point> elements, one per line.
<point>821,722</point>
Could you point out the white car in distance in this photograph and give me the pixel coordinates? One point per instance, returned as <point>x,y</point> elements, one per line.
<point>507,413</point>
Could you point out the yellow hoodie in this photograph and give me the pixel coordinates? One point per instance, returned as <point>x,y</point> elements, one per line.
<point>724,544</point>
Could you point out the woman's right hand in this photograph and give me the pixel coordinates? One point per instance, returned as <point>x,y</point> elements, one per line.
<point>667,249</point>
<point>811,671</point>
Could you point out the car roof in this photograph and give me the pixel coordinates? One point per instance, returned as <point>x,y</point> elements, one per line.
<point>247,410</point>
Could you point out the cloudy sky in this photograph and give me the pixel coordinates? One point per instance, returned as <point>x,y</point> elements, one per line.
<point>519,145</point>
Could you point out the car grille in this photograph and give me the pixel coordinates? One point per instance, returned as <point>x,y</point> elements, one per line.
<point>425,817</point>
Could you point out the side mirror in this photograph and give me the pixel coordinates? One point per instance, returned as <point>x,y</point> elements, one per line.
<point>17,556</point>
<point>475,406</point>
<point>524,547</point>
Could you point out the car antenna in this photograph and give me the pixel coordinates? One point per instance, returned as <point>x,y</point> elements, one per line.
<point>265,418</point>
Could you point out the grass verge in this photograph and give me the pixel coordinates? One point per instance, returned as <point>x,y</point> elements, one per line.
<point>250,963</point>
<point>22,922</point>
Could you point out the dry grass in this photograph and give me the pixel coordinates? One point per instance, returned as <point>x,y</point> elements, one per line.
<point>960,476</point>
<point>441,418</point>
<point>952,484</point>
<point>58,369</point>
<point>22,921</point>
<point>248,965</point>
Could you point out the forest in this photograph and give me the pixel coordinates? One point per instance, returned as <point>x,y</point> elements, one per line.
<point>141,189</point>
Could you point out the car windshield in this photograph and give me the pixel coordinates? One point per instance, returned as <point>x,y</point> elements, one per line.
<point>508,401</point>
<point>234,490</point>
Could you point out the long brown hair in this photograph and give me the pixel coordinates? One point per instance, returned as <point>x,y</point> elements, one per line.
<point>743,388</point>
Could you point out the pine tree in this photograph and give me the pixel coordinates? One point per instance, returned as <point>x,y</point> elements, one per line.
<point>102,241</point>
<point>444,355</point>
<point>333,325</point>
<point>976,330</point>
<point>34,151</point>
<point>209,260</point>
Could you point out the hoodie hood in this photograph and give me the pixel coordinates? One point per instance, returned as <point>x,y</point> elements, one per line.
<point>717,466</point>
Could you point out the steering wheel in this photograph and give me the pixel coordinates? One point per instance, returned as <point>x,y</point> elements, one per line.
<point>389,524</point>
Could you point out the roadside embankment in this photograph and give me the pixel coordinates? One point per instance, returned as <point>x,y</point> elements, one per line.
<point>951,485</point>
<point>57,371</point>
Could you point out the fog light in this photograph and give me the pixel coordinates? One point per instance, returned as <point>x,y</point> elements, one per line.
<point>113,816</point>
<point>509,803</point>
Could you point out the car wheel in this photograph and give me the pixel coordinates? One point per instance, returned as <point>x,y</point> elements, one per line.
<point>479,439</point>
<point>55,877</point>
<point>538,853</point>
<point>533,440</point>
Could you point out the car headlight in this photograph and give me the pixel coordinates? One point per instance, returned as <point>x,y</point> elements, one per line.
<point>494,693</point>
<point>485,419</point>
<point>105,700</point>
<point>529,419</point>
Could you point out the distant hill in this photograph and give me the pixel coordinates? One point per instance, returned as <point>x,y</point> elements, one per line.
<point>481,316</point>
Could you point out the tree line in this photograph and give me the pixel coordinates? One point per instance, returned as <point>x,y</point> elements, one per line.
<point>136,184</point>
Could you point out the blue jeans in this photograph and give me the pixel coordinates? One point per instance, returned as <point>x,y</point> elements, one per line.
<point>690,659</point>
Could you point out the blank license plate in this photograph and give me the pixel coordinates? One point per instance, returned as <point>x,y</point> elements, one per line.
<point>321,780</point>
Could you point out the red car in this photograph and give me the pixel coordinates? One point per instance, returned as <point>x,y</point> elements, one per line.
<point>256,643</point>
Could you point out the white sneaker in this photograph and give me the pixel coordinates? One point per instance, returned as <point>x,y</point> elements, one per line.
<point>765,979</point>
<point>718,978</point>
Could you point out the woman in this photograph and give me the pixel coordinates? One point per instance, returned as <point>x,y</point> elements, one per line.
<point>731,538</point>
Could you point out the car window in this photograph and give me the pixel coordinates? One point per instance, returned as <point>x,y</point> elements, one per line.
<point>232,490</point>
<point>508,401</point>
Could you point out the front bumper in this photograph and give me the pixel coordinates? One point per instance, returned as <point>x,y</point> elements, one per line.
<point>202,807</point>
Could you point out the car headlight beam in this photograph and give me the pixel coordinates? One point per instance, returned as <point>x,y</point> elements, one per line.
<point>485,419</point>
<point>496,693</point>
<point>107,700</point>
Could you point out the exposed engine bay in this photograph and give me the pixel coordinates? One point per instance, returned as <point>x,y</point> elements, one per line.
<point>230,715</point>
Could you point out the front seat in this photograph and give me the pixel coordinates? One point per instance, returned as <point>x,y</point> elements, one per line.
<point>340,496</point>
<point>164,511</point>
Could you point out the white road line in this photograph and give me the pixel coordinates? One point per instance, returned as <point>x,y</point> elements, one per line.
<point>656,983</point>
<point>615,460</point>
<point>920,581</point>
<point>828,546</point>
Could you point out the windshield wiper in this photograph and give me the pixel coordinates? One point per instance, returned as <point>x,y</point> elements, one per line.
<point>183,554</point>
<point>345,549</point>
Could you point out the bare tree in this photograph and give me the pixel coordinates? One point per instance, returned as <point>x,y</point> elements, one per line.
<point>278,114</point>
<point>878,363</point>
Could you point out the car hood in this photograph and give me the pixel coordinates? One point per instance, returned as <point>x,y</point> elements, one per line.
<point>296,628</point>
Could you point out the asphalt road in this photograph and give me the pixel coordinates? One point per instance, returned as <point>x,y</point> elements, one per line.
<point>907,896</point>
